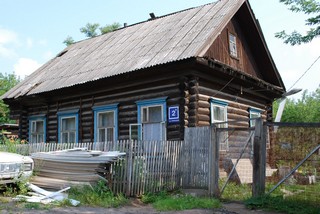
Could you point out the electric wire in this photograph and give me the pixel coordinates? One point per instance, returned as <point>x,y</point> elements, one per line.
<point>304,73</point>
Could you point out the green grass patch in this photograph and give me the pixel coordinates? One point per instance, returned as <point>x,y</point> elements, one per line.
<point>164,201</point>
<point>279,204</point>
<point>236,192</point>
<point>98,195</point>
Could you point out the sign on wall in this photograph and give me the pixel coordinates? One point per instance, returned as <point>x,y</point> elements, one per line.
<point>173,112</point>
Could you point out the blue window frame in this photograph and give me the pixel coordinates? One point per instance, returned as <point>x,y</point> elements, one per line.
<point>254,113</point>
<point>219,117</point>
<point>152,118</point>
<point>37,129</point>
<point>68,128</point>
<point>105,123</point>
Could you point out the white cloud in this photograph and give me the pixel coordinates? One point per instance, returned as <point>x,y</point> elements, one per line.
<point>6,52</point>
<point>7,37</point>
<point>25,67</point>
<point>29,42</point>
<point>47,55</point>
<point>43,42</point>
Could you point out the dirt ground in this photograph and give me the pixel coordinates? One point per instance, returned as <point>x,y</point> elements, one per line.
<point>135,207</point>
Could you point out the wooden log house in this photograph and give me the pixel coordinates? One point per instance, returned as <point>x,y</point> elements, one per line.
<point>152,79</point>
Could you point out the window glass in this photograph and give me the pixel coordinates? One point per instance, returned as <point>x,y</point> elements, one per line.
<point>151,120</point>
<point>110,134</point>
<point>219,116</point>
<point>233,45</point>
<point>105,118</point>
<point>39,126</point>
<point>37,130</point>
<point>68,124</point>
<point>154,114</point>
<point>254,114</point>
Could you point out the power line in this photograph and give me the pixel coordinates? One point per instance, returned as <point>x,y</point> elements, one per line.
<point>304,73</point>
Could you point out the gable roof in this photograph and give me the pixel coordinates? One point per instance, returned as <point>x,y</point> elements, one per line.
<point>169,38</point>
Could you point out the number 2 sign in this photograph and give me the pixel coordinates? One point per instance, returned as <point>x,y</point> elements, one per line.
<point>173,114</point>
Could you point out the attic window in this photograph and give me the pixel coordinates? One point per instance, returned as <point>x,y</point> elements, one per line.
<point>233,45</point>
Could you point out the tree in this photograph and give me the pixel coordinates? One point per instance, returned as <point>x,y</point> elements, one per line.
<point>306,109</point>
<point>7,81</point>
<point>309,7</point>
<point>68,41</point>
<point>90,30</point>
<point>109,28</point>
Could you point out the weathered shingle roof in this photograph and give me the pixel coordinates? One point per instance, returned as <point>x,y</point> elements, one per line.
<point>173,37</point>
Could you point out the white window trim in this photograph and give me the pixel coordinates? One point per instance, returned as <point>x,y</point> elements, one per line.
<point>233,53</point>
<point>106,127</point>
<point>151,103</point>
<point>104,109</point>
<point>220,104</point>
<point>35,119</point>
<point>66,115</point>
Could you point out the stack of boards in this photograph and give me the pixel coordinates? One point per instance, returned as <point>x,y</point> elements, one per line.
<point>59,169</point>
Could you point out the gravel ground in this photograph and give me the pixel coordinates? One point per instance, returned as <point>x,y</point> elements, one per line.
<point>135,207</point>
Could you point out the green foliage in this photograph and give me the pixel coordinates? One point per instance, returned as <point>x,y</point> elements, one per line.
<point>150,198</point>
<point>98,195</point>
<point>35,206</point>
<point>68,41</point>
<point>90,31</point>
<point>308,7</point>
<point>7,81</point>
<point>279,204</point>
<point>164,201</point>
<point>12,145</point>
<point>109,28</point>
<point>306,109</point>
<point>17,188</point>
<point>235,192</point>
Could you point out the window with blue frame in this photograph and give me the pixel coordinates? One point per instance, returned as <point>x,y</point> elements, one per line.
<point>105,123</point>
<point>152,119</point>
<point>68,126</point>
<point>37,129</point>
<point>254,113</point>
<point>219,117</point>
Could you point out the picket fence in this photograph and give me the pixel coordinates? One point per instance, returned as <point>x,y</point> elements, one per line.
<point>149,166</point>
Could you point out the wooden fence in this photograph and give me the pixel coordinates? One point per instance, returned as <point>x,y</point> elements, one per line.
<point>150,166</point>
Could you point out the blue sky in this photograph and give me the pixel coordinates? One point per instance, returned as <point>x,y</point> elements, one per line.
<point>32,32</point>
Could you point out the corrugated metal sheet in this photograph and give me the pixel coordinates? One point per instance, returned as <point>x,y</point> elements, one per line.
<point>166,39</point>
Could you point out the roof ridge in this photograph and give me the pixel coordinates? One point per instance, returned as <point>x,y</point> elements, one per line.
<point>145,21</point>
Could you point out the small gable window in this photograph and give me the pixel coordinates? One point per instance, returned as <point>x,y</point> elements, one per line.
<point>233,45</point>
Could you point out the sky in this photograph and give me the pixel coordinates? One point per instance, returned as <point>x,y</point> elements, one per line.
<point>32,32</point>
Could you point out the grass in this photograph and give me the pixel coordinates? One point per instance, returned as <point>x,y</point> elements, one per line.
<point>305,198</point>
<point>164,201</point>
<point>235,192</point>
<point>98,195</point>
<point>279,204</point>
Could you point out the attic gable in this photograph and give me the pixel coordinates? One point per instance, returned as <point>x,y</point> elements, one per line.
<point>252,55</point>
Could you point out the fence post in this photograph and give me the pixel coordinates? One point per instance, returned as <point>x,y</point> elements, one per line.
<point>259,159</point>
<point>129,168</point>
<point>213,163</point>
